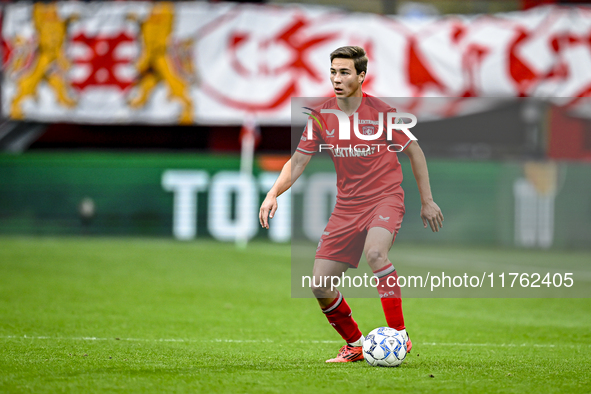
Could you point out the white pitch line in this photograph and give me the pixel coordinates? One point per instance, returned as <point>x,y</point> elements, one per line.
<point>156,340</point>
<point>496,344</point>
<point>271,341</point>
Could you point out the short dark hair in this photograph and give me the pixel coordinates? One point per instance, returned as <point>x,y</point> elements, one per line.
<point>357,54</point>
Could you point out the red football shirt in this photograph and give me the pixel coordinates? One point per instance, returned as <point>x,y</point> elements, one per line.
<point>372,171</point>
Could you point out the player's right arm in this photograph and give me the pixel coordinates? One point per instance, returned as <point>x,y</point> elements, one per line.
<point>289,174</point>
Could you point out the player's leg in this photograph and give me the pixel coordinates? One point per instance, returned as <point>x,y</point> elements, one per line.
<point>336,309</point>
<point>321,284</point>
<point>378,242</point>
<point>331,301</point>
<point>340,247</point>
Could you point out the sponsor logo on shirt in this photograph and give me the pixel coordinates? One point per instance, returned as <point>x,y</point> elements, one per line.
<point>330,134</point>
<point>352,151</point>
<point>359,149</point>
<point>385,219</point>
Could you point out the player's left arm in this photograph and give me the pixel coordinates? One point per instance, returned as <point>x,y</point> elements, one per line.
<point>430,212</point>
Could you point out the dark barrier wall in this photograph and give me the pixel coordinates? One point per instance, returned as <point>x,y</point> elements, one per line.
<point>42,193</point>
<point>534,204</point>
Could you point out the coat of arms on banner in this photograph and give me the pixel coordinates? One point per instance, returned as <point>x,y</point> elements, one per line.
<point>60,60</point>
<point>40,59</point>
<point>159,63</point>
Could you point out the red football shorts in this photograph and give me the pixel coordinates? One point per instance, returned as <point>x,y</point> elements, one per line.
<point>343,238</point>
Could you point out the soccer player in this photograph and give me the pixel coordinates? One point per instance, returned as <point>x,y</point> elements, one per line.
<point>370,200</point>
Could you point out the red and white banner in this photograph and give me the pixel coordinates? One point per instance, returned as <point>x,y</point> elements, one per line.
<point>135,62</point>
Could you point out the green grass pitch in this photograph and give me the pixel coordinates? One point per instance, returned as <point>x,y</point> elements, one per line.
<point>153,315</point>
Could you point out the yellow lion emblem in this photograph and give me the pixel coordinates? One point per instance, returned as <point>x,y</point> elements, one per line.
<point>49,64</point>
<point>160,60</point>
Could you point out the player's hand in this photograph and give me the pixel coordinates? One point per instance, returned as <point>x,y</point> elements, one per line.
<point>431,214</point>
<point>268,208</point>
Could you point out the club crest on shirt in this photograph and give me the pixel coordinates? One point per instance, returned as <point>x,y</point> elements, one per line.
<point>368,130</point>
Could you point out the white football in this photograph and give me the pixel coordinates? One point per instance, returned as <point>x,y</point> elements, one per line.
<point>384,347</point>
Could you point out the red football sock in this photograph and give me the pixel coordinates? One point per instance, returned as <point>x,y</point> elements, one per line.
<point>390,296</point>
<point>338,314</point>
